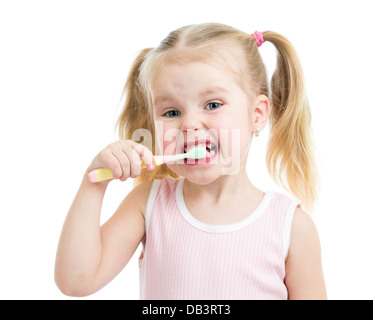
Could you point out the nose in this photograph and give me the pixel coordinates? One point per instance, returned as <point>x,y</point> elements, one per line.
<point>191,122</point>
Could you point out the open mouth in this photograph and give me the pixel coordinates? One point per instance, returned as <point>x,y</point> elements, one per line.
<point>211,153</point>
<point>210,148</point>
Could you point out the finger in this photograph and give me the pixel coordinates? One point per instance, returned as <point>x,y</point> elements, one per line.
<point>144,153</point>
<point>124,163</point>
<point>105,159</point>
<point>114,165</point>
<point>135,160</point>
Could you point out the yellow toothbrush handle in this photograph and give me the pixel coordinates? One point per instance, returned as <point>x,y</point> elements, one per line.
<point>100,174</point>
<point>103,174</point>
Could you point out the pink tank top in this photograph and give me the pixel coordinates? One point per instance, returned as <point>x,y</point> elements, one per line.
<point>184,258</point>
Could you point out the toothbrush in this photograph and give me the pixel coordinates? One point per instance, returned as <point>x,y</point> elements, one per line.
<point>102,174</point>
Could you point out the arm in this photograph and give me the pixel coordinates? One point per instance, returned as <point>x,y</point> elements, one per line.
<point>89,256</point>
<point>304,276</point>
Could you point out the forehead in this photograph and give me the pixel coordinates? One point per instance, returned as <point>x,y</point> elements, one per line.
<point>193,79</point>
<point>224,58</point>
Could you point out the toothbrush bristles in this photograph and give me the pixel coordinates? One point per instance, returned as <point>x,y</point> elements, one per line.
<point>197,153</point>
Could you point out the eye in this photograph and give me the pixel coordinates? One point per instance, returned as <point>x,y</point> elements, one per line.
<point>172,113</point>
<point>213,105</point>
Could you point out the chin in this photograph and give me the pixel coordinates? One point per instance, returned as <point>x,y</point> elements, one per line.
<point>200,177</point>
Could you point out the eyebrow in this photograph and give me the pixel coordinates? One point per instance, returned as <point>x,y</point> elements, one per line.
<point>161,99</point>
<point>206,92</point>
<point>212,90</point>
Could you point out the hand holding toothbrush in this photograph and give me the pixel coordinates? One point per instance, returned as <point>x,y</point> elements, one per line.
<point>120,160</point>
<point>126,158</point>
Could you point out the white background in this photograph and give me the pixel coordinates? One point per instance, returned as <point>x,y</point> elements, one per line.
<point>62,68</point>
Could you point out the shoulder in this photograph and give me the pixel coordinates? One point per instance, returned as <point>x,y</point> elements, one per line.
<point>303,231</point>
<point>304,275</point>
<point>139,195</point>
<point>299,231</point>
<point>304,239</point>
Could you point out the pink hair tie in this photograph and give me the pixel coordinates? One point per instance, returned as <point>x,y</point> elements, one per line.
<point>258,37</point>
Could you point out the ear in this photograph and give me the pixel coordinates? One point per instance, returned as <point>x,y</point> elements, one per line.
<point>262,107</point>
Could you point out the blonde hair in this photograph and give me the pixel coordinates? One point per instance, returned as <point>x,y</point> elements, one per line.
<point>290,158</point>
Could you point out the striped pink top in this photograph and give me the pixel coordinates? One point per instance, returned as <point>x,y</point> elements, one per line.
<point>184,258</point>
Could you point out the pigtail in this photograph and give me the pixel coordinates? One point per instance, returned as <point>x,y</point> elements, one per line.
<point>290,155</point>
<point>136,114</point>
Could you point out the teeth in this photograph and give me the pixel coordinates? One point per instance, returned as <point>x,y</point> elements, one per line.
<point>186,149</point>
<point>210,146</point>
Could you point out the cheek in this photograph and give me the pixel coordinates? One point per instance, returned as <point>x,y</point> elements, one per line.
<point>234,133</point>
<point>169,147</point>
<point>167,137</point>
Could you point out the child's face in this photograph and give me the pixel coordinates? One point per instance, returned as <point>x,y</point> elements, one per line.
<point>200,104</point>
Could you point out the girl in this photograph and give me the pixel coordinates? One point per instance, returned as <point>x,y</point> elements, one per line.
<point>207,231</point>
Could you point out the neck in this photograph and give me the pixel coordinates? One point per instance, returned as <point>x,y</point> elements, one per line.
<point>222,189</point>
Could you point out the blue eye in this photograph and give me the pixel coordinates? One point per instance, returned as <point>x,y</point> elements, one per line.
<point>213,105</point>
<point>172,113</point>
